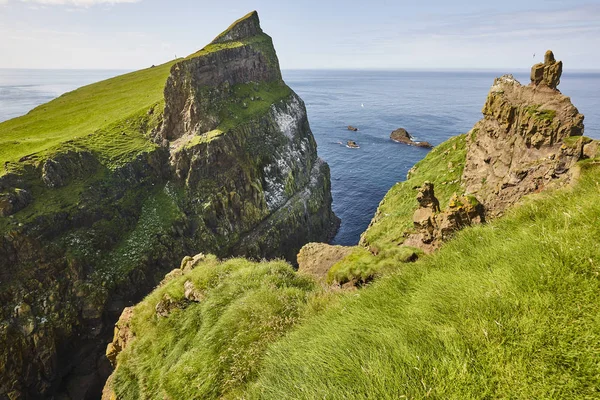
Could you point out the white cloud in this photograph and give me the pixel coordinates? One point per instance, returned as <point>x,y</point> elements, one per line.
<point>75,3</point>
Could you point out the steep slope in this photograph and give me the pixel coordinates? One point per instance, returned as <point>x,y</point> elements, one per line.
<point>106,187</point>
<point>507,309</point>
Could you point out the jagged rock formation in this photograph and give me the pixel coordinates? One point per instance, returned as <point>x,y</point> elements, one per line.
<point>547,73</point>
<point>401,135</point>
<point>229,166</point>
<point>434,226</point>
<point>528,140</point>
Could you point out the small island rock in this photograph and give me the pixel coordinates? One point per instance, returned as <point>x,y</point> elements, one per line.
<point>401,135</point>
<point>352,128</point>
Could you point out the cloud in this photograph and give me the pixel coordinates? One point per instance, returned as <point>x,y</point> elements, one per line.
<point>74,3</point>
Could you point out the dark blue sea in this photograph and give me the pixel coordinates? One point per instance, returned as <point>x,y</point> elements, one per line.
<point>432,106</point>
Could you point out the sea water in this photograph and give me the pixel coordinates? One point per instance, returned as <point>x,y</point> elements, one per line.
<point>432,106</point>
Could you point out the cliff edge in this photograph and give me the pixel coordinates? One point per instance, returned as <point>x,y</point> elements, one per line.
<point>106,187</point>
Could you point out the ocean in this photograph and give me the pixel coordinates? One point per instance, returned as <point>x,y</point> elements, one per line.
<point>432,106</point>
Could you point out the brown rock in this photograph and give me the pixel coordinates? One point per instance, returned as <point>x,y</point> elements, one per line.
<point>591,149</point>
<point>121,337</point>
<point>165,306</point>
<point>316,259</point>
<point>352,128</point>
<point>402,136</point>
<point>426,197</point>
<point>547,73</point>
<point>352,144</point>
<point>434,226</point>
<point>191,293</point>
<point>519,146</point>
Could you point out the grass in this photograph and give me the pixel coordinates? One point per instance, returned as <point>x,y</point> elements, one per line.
<point>544,115</point>
<point>92,114</point>
<point>505,310</point>
<point>112,118</point>
<point>210,349</point>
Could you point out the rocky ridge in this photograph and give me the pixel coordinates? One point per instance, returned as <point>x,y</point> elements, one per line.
<point>234,170</point>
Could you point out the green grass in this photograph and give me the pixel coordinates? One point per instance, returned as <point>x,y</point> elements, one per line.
<point>545,115</point>
<point>506,310</point>
<point>210,349</point>
<point>249,100</point>
<point>91,114</point>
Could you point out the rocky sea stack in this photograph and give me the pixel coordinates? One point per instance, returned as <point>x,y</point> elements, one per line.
<point>401,135</point>
<point>529,139</point>
<point>211,153</point>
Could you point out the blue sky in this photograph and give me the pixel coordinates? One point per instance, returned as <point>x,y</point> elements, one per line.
<point>374,34</point>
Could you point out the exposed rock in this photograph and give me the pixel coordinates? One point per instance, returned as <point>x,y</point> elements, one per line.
<point>191,293</point>
<point>166,305</point>
<point>176,273</point>
<point>316,259</point>
<point>434,226</point>
<point>189,263</point>
<point>122,336</point>
<point>547,73</point>
<point>14,201</point>
<point>352,128</point>
<point>521,146</point>
<point>401,135</point>
<point>352,144</point>
<point>591,149</point>
<point>426,197</point>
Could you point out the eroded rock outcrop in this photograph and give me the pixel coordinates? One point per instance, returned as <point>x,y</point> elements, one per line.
<point>316,259</point>
<point>434,226</point>
<point>528,140</point>
<point>230,168</point>
<point>547,73</point>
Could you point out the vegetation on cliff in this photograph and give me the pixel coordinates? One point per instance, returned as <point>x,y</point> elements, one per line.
<point>104,188</point>
<point>505,309</point>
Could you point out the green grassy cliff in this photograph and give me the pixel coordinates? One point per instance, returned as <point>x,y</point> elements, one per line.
<point>104,188</point>
<point>505,309</point>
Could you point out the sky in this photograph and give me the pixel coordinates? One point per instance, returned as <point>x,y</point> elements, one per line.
<point>308,34</point>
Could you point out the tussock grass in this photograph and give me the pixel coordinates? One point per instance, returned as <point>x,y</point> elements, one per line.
<point>210,349</point>
<point>506,310</point>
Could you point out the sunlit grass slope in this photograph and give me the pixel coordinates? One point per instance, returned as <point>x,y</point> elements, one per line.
<point>210,349</point>
<point>507,310</point>
<point>94,109</point>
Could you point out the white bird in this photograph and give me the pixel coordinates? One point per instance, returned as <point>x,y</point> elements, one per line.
<point>362,105</point>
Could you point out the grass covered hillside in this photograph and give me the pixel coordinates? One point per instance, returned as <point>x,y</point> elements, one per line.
<point>510,309</point>
<point>505,310</point>
<point>105,117</point>
<point>113,119</point>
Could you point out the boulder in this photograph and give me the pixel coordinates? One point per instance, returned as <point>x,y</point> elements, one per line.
<point>547,73</point>
<point>434,226</point>
<point>401,135</point>
<point>352,128</point>
<point>316,259</point>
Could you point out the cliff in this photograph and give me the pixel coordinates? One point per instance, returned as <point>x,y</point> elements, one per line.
<point>491,311</point>
<point>104,188</point>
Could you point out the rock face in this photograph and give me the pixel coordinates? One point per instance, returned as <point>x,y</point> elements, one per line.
<point>528,140</point>
<point>547,73</point>
<point>235,172</point>
<point>316,259</point>
<point>433,226</point>
<point>401,135</point>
